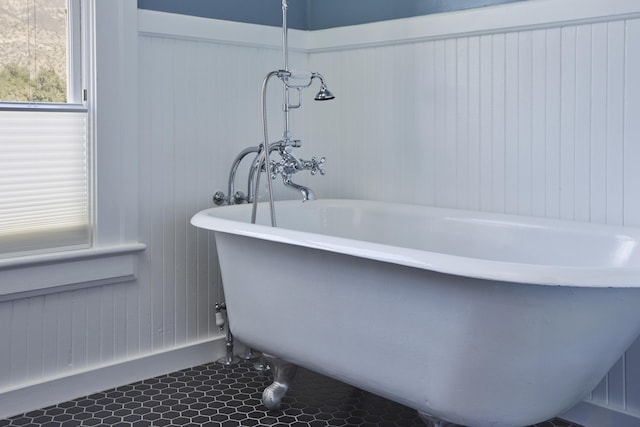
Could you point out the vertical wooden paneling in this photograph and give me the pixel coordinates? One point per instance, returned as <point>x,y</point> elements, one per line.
<point>35,337</point>
<point>5,338</point>
<point>486,122</point>
<point>425,107</point>
<point>362,152</point>
<point>445,158</point>
<point>79,308</point>
<point>19,348</point>
<point>120,324</point>
<point>524,135</point>
<point>139,307</point>
<point>107,321</point>
<point>462,121</point>
<point>92,328</point>
<point>616,395</point>
<point>473,131</point>
<point>512,183</point>
<point>324,126</point>
<point>536,122</point>
<point>598,121</point>
<point>382,107</point>
<point>403,102</point>
<point>615,123</point>
<point>568,69</point>
<point>632,124</point>
<point>448,107</point>
<point>631,180</point>
<point>206,123</point>
<point>631,384</point>
<point>53,336</point>
<point>355,90</point>
<point>498,109</point>
<point>552,121</point>
<point>582,159</point>
<point>165,324</point>
<point>439,142</point>
<point>155,170</point>
<point>184,112</point>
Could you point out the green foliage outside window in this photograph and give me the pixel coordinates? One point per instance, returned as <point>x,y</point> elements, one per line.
<point>17,85</point>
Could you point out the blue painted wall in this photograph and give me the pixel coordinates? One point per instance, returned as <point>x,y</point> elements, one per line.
<point>337,13</point>
<point>264,12</point>
<point>312,14</point>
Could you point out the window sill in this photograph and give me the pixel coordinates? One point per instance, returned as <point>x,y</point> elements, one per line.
<point>57,272</point>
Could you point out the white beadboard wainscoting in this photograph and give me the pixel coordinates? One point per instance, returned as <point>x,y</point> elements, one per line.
<point>198,106</point>
<point>528,108</point>
<point>532,116</point>
<point>68,343</point>
<point>540,120</point>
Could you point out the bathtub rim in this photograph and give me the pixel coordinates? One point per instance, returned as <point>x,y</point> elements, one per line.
<point>487,269</point>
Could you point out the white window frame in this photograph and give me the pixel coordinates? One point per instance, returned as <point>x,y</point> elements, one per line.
<point>112,103</point>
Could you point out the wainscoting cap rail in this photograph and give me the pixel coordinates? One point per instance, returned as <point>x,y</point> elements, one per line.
<point>163,24</point>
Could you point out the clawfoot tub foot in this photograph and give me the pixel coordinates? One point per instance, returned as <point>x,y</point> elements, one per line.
<point>432,421</point>
<point>283,373</point>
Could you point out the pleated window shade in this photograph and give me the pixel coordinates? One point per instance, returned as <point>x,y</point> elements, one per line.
<point>44,187</point>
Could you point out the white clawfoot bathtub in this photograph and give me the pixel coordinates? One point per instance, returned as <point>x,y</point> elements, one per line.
<point>479,319</point>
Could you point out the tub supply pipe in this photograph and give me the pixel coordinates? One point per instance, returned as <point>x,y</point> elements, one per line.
<point>221,321</point>
<point>238,197</point>
<point>233,197</point>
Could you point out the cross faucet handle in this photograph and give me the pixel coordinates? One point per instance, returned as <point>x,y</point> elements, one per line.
<point>316,166</point>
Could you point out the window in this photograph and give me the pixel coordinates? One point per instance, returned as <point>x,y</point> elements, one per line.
<point>111,122</point>
<point>44,128</point>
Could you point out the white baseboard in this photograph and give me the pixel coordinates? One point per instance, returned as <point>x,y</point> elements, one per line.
<point>29,397</point>
<point>589,414</point>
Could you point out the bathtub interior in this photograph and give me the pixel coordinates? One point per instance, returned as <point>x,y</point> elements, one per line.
<point>478,235</point>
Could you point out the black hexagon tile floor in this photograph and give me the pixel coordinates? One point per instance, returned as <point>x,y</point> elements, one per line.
<point>216,395</point>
